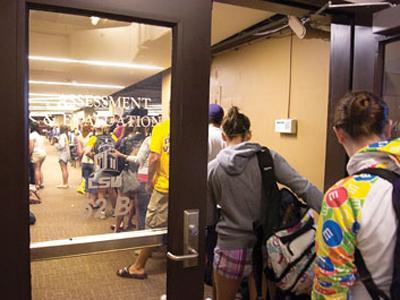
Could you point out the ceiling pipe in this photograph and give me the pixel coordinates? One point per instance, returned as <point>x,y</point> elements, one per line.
<point>249,35</point>
<point>362,4</point>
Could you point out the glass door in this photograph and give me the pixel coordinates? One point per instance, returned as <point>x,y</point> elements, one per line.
<point>390,83</point>
<point>97,88</point>
<point>99,83</point>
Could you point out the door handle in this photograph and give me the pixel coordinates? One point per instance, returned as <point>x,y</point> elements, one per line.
<point>194,254</point>
<point>190,256</point>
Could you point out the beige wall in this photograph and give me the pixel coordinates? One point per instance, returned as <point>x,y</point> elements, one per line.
<point>256,78</point>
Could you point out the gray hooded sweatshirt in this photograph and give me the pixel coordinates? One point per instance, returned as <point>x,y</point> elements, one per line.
<point>235,184</point>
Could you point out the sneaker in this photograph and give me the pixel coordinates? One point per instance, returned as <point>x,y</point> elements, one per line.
<point>62,186</point>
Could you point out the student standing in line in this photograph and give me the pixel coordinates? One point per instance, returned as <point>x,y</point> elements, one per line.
<point>62,146</point>
<point>141,159</point>
<point>158,184</point>
<point>129,145</point>
<point>215,141</point>
<point>87,164</point>
<point>357,212</point>
<point>38,151</point>
<point>235,184</point>
<point>215,145</point>
<point>101,141</point>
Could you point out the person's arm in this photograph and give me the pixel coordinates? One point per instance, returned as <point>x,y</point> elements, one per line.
<point>212,190</point>
<point>89,146</point>
<point>144,152</point>
<point>289,177</point>
<point>141,156</point>
<point>31,144</point>
<point>154,162</point>
<point>335,269</point>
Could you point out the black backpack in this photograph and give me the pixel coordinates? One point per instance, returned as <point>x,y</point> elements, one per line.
<point>365,275</point>
<point>103,143</point>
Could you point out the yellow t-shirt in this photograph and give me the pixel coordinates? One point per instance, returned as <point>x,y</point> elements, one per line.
<point>159,143</point>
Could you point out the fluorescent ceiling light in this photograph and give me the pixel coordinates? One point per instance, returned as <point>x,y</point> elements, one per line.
<point>60,95</point>
<point>94,20</point>
<point>44,94</point>
<point>44,99</point>
<point>50,108</point>
<point>95,62</point>
<point>101,86</point>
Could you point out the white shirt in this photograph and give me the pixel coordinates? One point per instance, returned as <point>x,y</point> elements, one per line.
<point>215,142</point>
<point>38,142</point>
<point>142,157</point>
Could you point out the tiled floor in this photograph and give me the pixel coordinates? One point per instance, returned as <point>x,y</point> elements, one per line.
<point>61,215</point>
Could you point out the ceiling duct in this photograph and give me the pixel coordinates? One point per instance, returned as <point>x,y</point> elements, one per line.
<point>271,26</point>
<point>359,3</point>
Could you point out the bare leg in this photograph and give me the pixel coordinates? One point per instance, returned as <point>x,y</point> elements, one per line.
<point>140,263</point>
<point>253,289</point>
<point>119,218</point>
<point>37,173</point>
<point>226,288</point>
<point>133,211</point>
<point>64,172</point>
<point>92,198</point>
<point>41,172</point>
<point>112,193</point>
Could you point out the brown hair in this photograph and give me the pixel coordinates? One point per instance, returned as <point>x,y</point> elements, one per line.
<point>64,129</point>
<point>361,114</point>
<point>235,124</point>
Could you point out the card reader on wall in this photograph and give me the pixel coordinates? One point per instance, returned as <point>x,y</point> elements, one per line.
<point>286,126</point>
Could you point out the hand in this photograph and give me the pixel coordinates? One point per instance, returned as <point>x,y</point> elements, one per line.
<point>116,153</point>
<point>149,187</point>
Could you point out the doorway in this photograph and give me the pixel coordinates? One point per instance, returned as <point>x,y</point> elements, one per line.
<point>184,26</point>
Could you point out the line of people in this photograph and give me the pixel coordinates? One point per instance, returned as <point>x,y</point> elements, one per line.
<point>358,220</point>
<point>358,216</point>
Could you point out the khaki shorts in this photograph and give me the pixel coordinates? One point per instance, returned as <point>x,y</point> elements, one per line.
<point>157,211</point>
<point>38,157</point>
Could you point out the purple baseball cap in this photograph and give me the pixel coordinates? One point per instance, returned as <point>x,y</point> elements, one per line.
<point>215,113</point>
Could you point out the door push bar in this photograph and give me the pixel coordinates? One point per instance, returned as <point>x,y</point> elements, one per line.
<point>86,245</point>
<point>190,257</point>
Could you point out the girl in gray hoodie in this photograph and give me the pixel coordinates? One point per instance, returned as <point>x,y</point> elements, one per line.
<point>234,184</point>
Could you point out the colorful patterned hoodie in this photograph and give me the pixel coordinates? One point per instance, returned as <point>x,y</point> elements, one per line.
<point>357,212</point>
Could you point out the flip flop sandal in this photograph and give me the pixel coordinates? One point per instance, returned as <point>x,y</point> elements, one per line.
<point>124,273</point>
<point>121,227</point>
<point>34,201</point>
<point>94,206</point>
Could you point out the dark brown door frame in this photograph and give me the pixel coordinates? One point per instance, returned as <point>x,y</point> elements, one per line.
<point>273,6</point>
<point>357,57</point>
<point>191,23</point>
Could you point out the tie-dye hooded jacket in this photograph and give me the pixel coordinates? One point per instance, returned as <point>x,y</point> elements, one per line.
<point>357,212</point>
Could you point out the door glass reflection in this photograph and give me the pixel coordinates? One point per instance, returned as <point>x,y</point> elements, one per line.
<point>96,85</point>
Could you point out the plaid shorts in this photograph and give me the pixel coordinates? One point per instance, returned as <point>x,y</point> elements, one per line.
<point>233,263</point>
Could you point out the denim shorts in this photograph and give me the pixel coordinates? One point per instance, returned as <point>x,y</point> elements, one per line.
<point>233,263</point>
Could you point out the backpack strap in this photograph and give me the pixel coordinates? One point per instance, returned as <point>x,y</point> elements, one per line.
<point>271,192</point>
<point>365,275</point>
<point>366,278</point>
